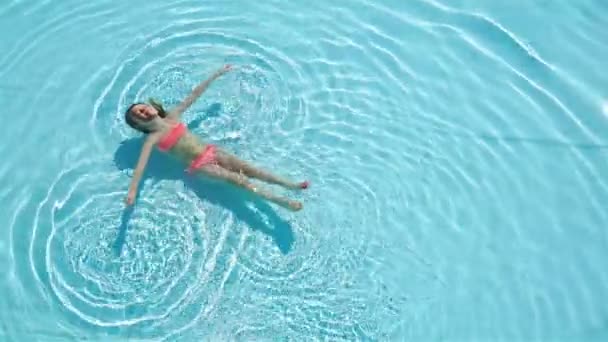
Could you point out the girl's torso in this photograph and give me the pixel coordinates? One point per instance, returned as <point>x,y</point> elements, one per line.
<point>179,142</point>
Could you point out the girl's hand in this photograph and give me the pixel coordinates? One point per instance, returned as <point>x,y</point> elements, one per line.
<point>130,198</point>
<point>226,68</point>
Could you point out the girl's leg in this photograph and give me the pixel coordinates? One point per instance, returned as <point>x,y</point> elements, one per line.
<point>242,181</point>
<point>234,164</point>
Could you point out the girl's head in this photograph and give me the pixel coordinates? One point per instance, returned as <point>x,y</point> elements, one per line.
<point>144,117</point>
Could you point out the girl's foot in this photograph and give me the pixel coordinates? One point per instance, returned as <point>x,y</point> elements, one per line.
<point>289,204</point>
<point>295,205</point>
<point>300,186</point>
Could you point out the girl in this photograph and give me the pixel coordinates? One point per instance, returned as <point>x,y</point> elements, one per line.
<point>164,131</point>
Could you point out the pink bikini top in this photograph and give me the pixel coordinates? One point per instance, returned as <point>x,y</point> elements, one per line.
<point>171,138</point>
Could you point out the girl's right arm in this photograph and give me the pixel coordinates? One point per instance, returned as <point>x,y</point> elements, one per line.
<point>141,166</point>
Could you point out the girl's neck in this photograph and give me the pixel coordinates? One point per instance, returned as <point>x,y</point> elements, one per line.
<point>164,124</point>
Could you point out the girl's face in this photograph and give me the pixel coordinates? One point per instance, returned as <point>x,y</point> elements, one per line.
<point>144,112</point>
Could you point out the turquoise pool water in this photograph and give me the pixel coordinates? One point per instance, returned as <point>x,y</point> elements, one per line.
<point>457,150</point>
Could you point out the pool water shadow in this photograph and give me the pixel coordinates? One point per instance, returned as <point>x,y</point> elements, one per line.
<point>255,212</point>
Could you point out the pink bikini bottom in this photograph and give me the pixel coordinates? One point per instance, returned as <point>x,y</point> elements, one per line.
<point>205,158</point>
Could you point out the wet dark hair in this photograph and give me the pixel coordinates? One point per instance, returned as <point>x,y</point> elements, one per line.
<point>137,124</point>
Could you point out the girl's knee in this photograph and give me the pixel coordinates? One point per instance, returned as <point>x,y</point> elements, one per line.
<point>237,179</point>
<point>245,183</point>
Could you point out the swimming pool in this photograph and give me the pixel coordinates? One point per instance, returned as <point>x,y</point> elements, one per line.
<point>457,152</point>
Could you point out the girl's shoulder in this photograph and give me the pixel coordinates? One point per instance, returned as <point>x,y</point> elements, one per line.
<point>171,121</point>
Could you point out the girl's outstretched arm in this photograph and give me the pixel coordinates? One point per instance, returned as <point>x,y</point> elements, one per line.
<point>144,156</point>
<point>197,92</point>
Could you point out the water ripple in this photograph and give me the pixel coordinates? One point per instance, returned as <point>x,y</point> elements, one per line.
<point>155,276</point>
<point>32,40</point>
<point>389,112</point>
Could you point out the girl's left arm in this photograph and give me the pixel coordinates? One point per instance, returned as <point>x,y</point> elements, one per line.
<point>197,92</point>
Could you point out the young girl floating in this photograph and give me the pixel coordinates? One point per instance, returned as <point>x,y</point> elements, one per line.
<point>168,134</point>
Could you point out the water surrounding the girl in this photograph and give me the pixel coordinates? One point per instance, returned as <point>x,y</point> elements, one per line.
<point>457,151</point>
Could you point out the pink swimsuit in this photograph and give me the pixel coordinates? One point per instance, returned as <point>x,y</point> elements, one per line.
<point>168,141</point>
